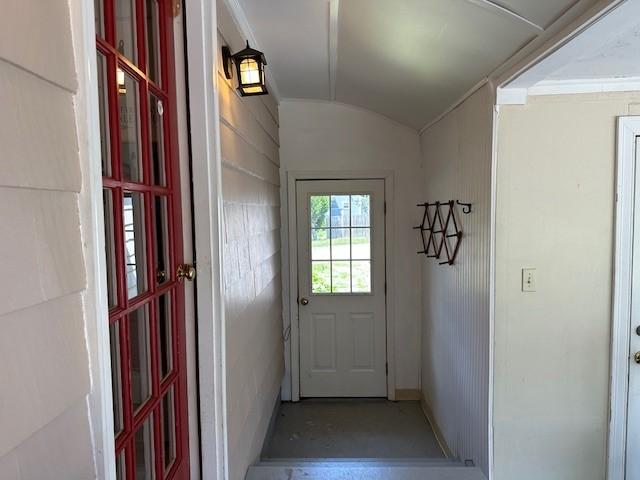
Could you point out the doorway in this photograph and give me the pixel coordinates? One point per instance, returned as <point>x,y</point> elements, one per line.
<point>341,288</point>
<point>624,431</point>
<point>143,230</point>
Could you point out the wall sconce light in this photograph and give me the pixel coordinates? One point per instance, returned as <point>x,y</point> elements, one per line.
<point>122,87</point>
<point>249,69</point>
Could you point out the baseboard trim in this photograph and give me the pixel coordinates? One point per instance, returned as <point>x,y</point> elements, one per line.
<point>426,409</point>
<point>408,394</point>
<point>272,423</point>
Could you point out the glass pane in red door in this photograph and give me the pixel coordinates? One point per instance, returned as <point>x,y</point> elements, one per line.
<point>104,121</point>
<point>152,24</point>
<point>140,357</point>
<point>133,213</point>
<point>98,6</point>
<point>161,239</point>
<point>109,230</point>
<point>156,139</point>
<point>165,335</point>
<point>168,429</point>
<point>129,118</point>
<point>144,451</point>
<point>121,466</point>
<point>116,377</point>
<point>126,28</point>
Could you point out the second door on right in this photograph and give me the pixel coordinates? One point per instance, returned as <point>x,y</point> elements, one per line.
<point>341,288</point>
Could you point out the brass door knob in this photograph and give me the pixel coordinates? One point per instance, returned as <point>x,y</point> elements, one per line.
<point>304,301</point>
<point>186,271</point>
<point>636,357</point>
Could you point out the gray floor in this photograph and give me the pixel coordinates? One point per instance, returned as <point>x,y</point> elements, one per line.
<point>362,428</point>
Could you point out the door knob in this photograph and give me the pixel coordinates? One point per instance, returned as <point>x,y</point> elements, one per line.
<point>304,301</point>
<point>636,357</point>
<point>186,271</point>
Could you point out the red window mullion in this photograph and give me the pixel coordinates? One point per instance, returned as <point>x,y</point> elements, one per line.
<point>109,22</point>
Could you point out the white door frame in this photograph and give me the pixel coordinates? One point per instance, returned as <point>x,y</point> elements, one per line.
<point>201,33</point>
<point>292,178</point>
<point>628,130</point>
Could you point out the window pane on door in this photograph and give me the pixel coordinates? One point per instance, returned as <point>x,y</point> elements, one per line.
<point>340,277</point>
<point>126,29</point>
<point>116,377</point>
<point>140,353</point>
<point>129,113</point>
<point>135,243</point>
<point>360,210</point>
<point>144,451</point>
<point>361,277</point>
<point>121,466</point>
<point>109,229</point>
<point>168,428</point>
<point>103,112</point>
<point>319,205</point>
<point>320,249</point>
<point>152,25</point>
<point>340,211</point>
<point>321,277</point>
<point>360,244</point>
<point>98,7</point>
<point>165,335</point>
<point>161,239</point>
<point>156,139</point>
<point>340,244</point>
<point>348,247</point>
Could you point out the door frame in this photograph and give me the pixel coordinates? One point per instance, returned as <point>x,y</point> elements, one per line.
<point>293,328</point>
<point>628,130</point>
<point>207,365</point>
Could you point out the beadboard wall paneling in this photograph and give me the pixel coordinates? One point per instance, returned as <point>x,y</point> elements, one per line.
<point>44,364</point>
<point>456,156</point>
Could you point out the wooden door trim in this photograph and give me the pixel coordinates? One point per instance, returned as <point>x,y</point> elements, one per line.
<point>292,348</point>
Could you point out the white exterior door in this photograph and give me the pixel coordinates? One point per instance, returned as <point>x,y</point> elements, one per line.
<point>341,288</point>
<point>633,411</point>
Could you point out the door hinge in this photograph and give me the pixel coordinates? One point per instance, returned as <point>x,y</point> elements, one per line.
<point>385,288</point>
<point>386,368</point>
<point>385,208</point>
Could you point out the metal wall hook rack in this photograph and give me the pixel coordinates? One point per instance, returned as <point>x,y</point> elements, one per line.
<point>439,226</point>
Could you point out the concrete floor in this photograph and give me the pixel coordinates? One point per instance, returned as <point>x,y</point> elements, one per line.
<point>344,428</point>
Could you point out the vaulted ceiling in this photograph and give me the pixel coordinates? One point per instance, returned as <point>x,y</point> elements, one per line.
<point>406,59</point>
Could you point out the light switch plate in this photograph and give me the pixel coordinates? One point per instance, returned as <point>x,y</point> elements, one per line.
<point>529,280</point>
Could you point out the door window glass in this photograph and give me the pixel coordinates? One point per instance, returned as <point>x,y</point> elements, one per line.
<point>340,243</point>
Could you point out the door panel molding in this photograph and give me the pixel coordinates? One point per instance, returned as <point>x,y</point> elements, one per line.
<point>292,348</point>
<point>626,214</point>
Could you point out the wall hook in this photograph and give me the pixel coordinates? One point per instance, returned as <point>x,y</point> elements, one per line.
<point>466,207</point>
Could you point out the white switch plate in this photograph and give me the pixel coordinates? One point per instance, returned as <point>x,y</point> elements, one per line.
<point>529,280</point>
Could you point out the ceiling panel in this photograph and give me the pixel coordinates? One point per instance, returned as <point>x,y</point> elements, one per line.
<point>541,12</point>
<point>294,35</point>
<point>411,59</point>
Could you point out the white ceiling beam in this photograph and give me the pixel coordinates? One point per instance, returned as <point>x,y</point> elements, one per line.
<point>334,8</point>
<point>240,18</point>
<point>491,5</point>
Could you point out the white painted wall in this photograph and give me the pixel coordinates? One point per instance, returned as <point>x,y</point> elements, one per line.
<point>251,261</point>
<point>555,213</point>
<point>44,363</point>
<point>322,136</point>
<point>456,154</point>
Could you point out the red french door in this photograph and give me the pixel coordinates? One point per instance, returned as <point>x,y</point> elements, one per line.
<point>143,237</point>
